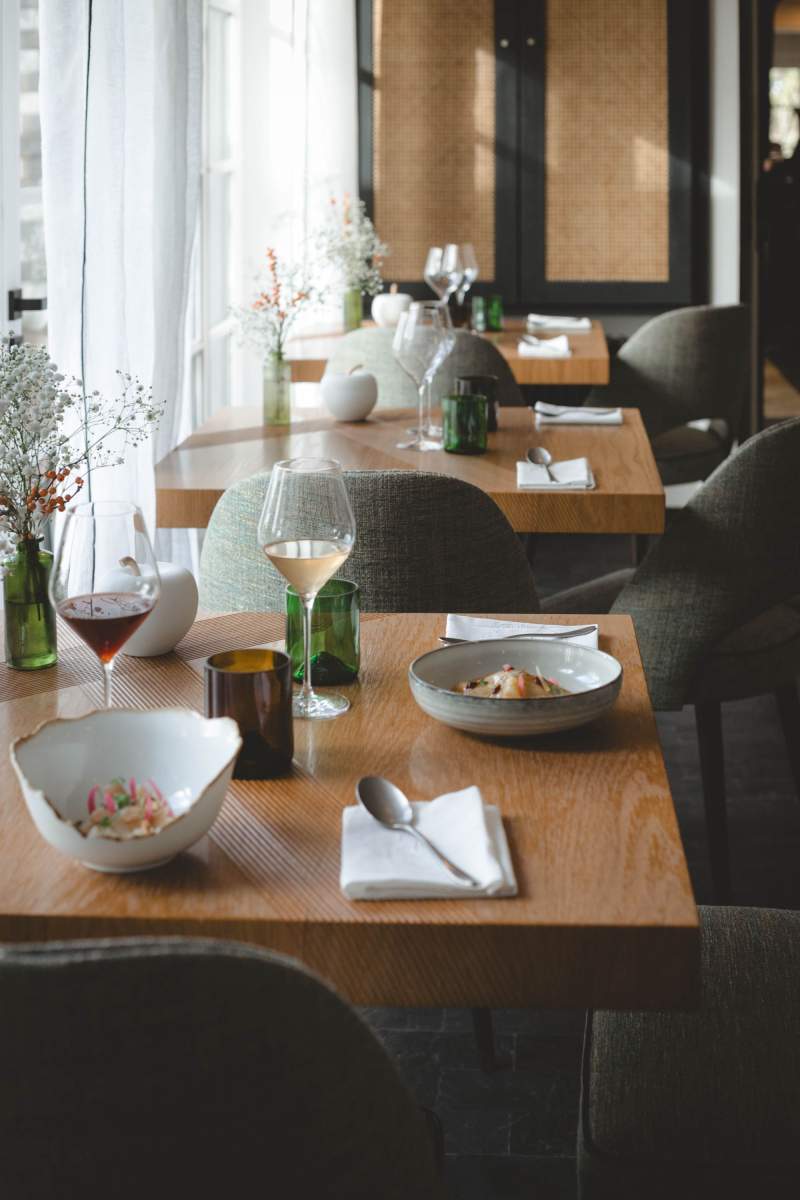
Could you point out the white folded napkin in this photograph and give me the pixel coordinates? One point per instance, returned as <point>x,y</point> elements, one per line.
<point>473,629</point>
<point>564,414</point>
<point>574,474</point>
<point>382,864</point>
<point>556,347</point>
<point>536,321</point>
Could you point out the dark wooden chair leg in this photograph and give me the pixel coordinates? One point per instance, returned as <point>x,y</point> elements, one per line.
<point>640,544</point>
<point>708,719</point>
<point>483,1028</point>
<point>789,713</point>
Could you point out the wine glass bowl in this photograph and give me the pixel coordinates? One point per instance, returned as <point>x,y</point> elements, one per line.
<point>105,581</point>
<point>469,265</point>
<point>307,530</point>
<point>423,339</point>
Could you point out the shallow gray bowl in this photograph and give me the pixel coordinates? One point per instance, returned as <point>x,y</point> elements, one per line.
<point>592,677</point>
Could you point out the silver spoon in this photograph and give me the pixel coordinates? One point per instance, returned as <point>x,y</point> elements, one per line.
<point>541,458</point>
<point>390,807</point>
<point>577,632</point>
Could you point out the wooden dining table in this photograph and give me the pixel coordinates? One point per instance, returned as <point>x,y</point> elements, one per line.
<point>586,365</point>
<point>605,914</point>
<point>234,444</point>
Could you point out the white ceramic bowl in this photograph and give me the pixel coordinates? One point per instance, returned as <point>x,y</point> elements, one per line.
<point>189,757</point>
<point>592,677</point>
<point>350,397</point>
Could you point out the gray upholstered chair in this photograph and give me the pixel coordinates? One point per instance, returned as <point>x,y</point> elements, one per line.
<point>174,1067</point>
<point>425,543</point>
<point>472,355</point>
<point>688,365</point>
<point>716,603</point>
<point>702,1104</point>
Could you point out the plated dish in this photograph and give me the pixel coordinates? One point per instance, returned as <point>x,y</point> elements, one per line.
<point>588,680</point>
<point>511,684</point>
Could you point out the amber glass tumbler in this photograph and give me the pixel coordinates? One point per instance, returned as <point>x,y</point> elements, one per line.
<point>254,687</point>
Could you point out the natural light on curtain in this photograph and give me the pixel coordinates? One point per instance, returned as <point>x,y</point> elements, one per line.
<point>121,121</point>
<point>300,125</point>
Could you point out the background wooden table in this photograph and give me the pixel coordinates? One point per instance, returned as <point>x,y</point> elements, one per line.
<point>605,915</point>
<point>587,365</point>
<point>629,497</point>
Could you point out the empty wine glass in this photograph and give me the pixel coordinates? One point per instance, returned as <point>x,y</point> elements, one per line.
<point>434,274</point>
<point>453,268</point>
<point>105,580</point>
<point>307,529</point>
<point>469,265</point>
<point>431,431</point>
<point>423,339</point>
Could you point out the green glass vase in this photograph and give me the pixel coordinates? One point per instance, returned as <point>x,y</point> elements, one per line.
<point>277,390</point>
<point>29,614</point>
<point>335,633</point>
<point>353,311</point>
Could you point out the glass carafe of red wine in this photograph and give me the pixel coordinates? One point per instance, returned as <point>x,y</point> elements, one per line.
<point>307,530</point>
<point>104,582</point>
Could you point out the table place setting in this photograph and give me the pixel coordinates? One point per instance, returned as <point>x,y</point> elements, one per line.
<point>540,321</point>
<point>379,863</point>
<point>473,629</point>
<point>573,474</point>
<point>565,414</point>
<point>530,346</point>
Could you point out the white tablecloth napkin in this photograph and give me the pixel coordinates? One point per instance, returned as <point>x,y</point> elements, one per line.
<point>573,474</point>
<point>555,347</point>
<point>381,864</point>
<point>536,321</point>
<point>473,629</point>
<point>563,414</point>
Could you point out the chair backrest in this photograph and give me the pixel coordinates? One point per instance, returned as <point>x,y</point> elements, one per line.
<point>475,355</point>
<point>372,349</point>
<point>174,1067</point>
<point>683,366</point>
<point>731,554</point>
<point>424,543</point>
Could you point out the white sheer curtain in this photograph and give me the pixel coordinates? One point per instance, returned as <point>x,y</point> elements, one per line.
<point>121,95</point>
<point>299,131</point>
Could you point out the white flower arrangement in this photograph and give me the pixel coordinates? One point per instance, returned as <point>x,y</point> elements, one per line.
<point>50,433</point>
<point>349,243</point>
<point>283,293</point>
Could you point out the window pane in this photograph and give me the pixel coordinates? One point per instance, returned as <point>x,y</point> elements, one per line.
<point>218,60</point>
<point>33,274</point>
<point>219,374</point>
<point>218,221</point>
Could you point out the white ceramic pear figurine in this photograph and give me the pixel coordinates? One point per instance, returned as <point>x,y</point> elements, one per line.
<point>172,617</point>
<point>388,307</point>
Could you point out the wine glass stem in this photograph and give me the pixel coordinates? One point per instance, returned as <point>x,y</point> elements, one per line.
<point>421,423</point>
<point>308,605</point>
<point>108,678</point>
<point>428,412</point>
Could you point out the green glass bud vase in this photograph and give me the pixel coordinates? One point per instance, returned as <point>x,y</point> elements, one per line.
<point>335,633</point>
<point>29,613</point>
<point>353,310</point>
<point>277,390</point>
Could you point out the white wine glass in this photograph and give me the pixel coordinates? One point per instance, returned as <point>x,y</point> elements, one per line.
<point>105,581</point>
<point>469,265</point>
<point>420,346</point>
<point>434,274</point>
<point>307,530</point>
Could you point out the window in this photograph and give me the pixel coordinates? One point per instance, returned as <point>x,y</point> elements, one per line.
<point>784,101</point>
<point>214,366</point>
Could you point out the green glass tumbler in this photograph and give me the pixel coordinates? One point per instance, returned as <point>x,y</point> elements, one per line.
<point>335,633</point>
<point>465,421</point>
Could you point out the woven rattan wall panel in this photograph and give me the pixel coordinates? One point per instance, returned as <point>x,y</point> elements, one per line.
<point>434,129</point>
<point>607,141</point>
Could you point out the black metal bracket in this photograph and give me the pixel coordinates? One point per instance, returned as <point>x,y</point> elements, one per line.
<point>17,306</point>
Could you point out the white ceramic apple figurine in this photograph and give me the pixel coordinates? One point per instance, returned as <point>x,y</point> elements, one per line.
<point>174,612</point>
<point>388,307</point>
<point>350,397</point>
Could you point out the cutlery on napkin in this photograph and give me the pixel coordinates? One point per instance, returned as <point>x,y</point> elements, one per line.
<point>533,347</point>
<point>474,629</point>
<point>377,864</point>
<point>541,321</point>
<point>574,474</point>
<point>563,414</point>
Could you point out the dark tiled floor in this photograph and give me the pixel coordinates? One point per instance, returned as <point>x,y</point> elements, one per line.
<point>511,1134</point>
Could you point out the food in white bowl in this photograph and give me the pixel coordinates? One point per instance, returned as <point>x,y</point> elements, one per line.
<point>590,679</point>
<point>510,684</point>
<point>350,397</point>
<point>191,758</point>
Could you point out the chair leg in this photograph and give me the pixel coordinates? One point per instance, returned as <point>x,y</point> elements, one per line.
<point>483,1028</point>
<point>708,719</point>
<point>789,713</point>
<point>640,544</point>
